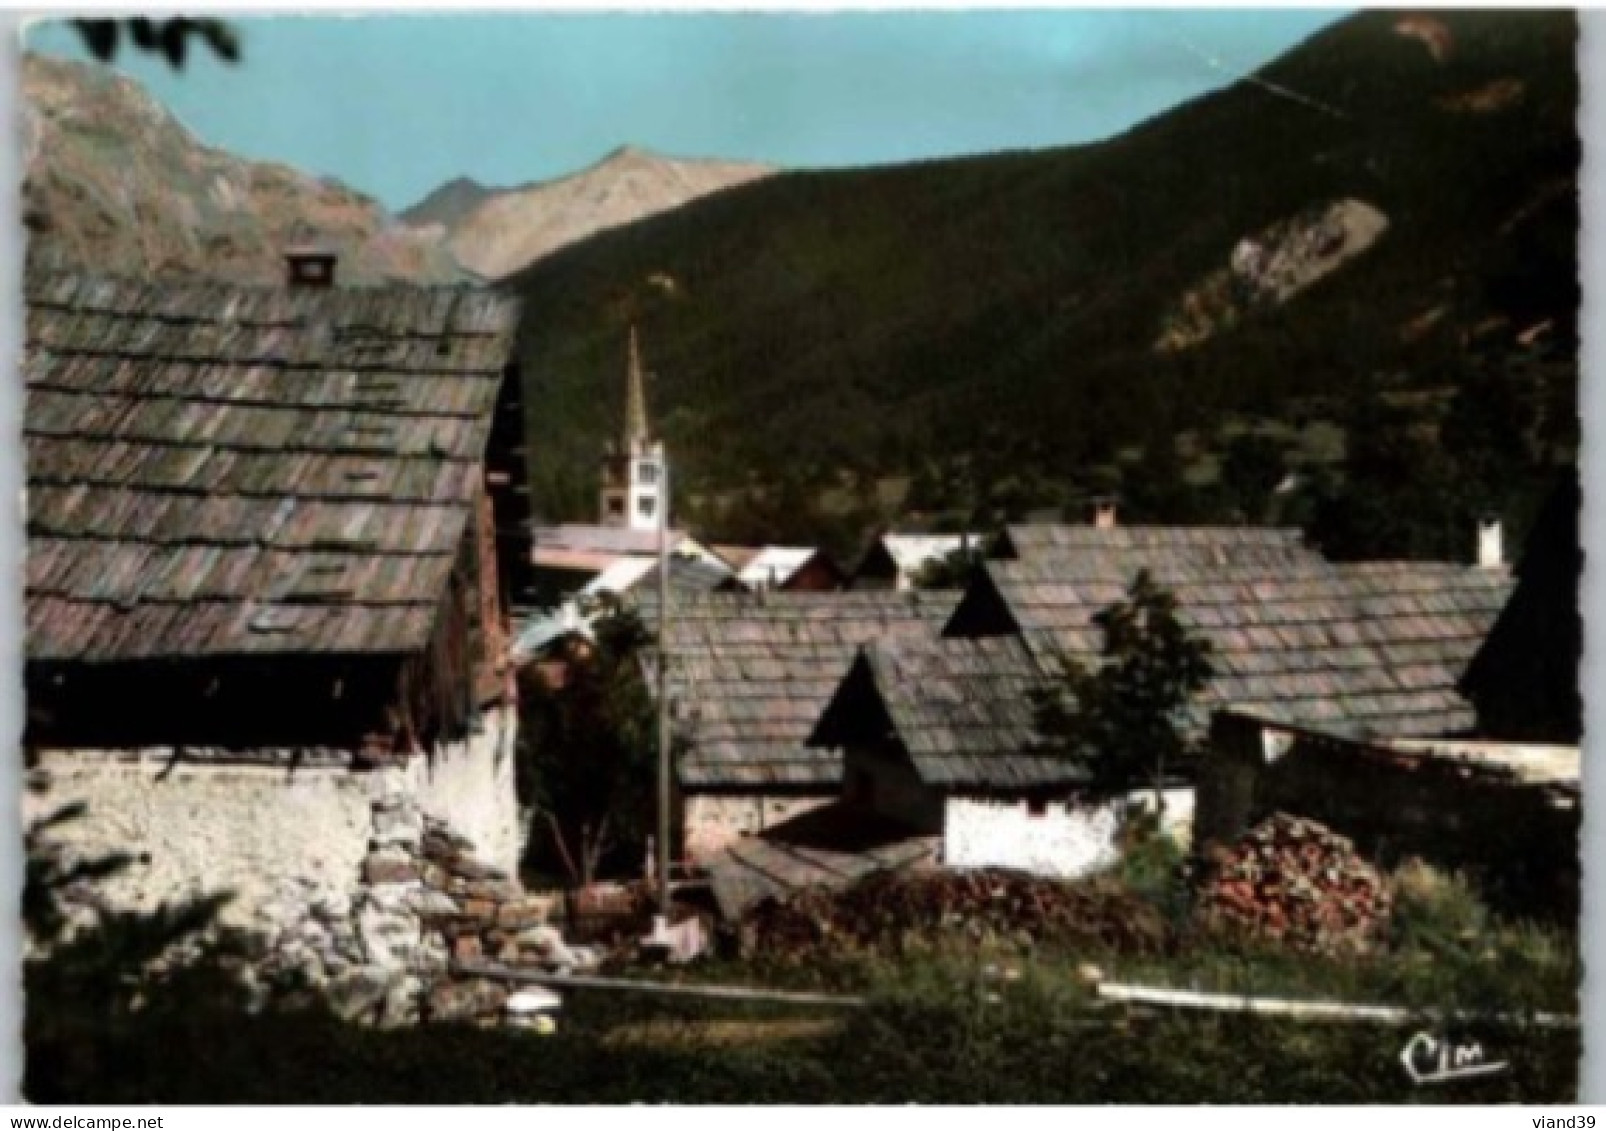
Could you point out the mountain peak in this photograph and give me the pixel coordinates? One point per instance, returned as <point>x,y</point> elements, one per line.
<point>448,203</point>
<point>630,153</point>
<point>498,231</point>
<point>116,183</point>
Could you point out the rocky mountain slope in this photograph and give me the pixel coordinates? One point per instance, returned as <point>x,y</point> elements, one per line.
<point>448,205</point>
<point>495,232</point>
<point>115,183</point>
<point>1367,212</point>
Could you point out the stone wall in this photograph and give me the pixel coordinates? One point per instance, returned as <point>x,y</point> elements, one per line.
<point>1064,839</point>
<point>712,821</point>
<point>425,901</point>
<point>208,827</point>
<point>264,827</point>
<point>378,943</point>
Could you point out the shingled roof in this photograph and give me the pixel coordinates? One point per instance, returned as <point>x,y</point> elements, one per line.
<point>1118,551</point>
<point>687,575</point>
<point>1377,648</point>
<point>964,711</point>
<point>751,674</point>
<point>218,470</point>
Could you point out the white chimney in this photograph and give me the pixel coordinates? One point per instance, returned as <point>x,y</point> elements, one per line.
<point>1491,552</point>
<point>1104,514</point>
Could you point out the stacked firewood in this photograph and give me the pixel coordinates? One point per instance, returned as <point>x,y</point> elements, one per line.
<point>892,912</point>
<point>1296,883</point>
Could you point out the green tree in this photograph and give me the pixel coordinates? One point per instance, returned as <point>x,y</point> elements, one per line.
<point>1486,430</point>
<point>586,755</point>
<point>1128,716</point>
<point>1251,469</point>
<point>1400,496</point>
<point>954,569</point>
<point>1155,489</point>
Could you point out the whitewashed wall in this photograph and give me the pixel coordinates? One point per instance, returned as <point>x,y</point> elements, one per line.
<point>263,833</point>
<point>711,822</point>
<point>250,831</point>
<point>1067,840</point>
<point>470,786</point>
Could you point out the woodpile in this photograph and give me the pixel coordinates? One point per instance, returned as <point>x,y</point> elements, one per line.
<point>893,912</point>
<point>1296,883</point>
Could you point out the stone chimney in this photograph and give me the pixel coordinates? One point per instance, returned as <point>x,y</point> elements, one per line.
<point>1491,551</point>
<point>310,267</point>
<point>1104,513</point>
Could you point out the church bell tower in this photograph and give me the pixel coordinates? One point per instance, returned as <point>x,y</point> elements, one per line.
<point>633,472</point>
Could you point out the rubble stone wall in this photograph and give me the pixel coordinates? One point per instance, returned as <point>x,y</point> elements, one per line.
<point>425,900</point>
<point>1065,840</point>
<point>714,821</point>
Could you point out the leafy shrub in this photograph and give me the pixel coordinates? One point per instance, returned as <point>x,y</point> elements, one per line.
<point>1436,911</point>
<point>1153,866</point>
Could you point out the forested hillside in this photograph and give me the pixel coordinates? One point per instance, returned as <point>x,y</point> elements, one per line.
<point>1360,267</point>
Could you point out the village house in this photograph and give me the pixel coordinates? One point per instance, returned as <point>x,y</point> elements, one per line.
<point>795,569</point>
<point>942,732</point>
<point>571,556</point>
<point>632,575</point>
<point>749,675</point>
<point>896,561</point>
<point>273,534</point>
<point>941,736</point>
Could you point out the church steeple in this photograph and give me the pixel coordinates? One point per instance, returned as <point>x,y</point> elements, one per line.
<point>635,434</point>
<point>633,474</point>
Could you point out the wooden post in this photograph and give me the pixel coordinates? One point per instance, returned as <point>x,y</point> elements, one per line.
<point>663,688</point>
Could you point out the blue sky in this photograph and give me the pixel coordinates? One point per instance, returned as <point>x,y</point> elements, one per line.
<point>395,105</point>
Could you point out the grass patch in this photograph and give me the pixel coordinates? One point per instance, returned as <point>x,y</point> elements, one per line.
<point>932,1032</point>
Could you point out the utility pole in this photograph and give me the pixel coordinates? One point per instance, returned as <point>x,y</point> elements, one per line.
<point>663,689</point>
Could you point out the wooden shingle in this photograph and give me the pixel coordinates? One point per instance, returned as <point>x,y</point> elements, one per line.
<point>1382,644</point>
<point>218,470</point>
<point>751,674</point>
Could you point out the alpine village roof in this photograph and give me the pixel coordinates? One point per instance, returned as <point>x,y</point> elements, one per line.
<point>225,470</point>
<point>687,574</point>
<point>752,672</point>
<point>1375,648</point>
<point>583,546</point>
<point>910,553</point>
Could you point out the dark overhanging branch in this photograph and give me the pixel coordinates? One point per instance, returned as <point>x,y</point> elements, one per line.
<point>169,38</point>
